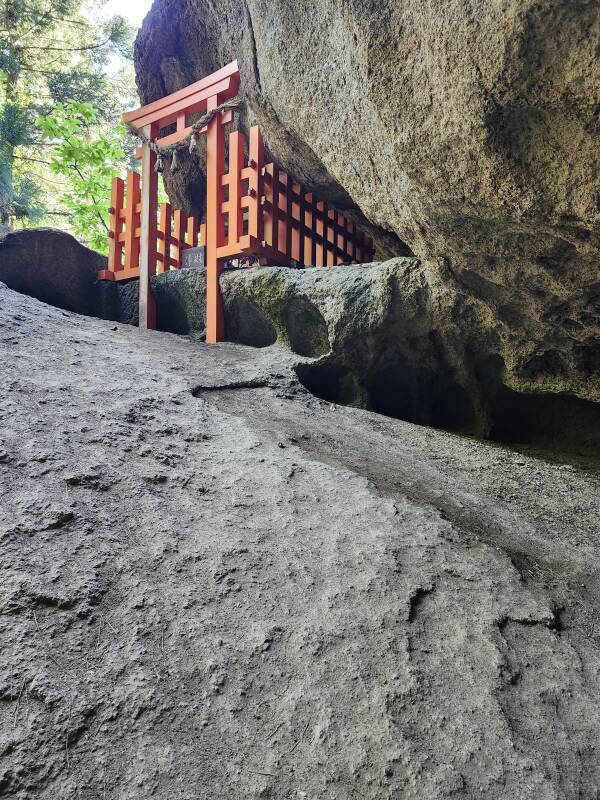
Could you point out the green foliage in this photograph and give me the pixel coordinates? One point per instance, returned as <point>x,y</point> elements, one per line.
<point>5,185</point>
<point>26,204</point>
<point>52,52</point>
<point>15,125</point>
<point>87,158</point>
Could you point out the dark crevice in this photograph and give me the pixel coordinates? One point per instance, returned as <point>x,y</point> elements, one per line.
<point>559,421</point>
<point>394,390</point>
<point>248,16</point>
<point>252,383</point>
<point>425,398</point>
<point>559,428</point>
<point>525,622</point>
<point>559,624</point>
<point>416,601</point>
<point>330,382</point>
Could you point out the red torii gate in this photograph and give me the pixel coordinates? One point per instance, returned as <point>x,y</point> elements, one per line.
<point>273,219</point>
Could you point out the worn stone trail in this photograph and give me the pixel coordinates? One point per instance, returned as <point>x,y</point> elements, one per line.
<point>216,585</point>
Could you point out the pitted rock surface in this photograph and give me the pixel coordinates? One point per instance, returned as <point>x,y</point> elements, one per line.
<point>215,585</point>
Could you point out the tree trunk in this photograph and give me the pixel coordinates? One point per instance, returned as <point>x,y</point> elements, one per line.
<point>9,100</point>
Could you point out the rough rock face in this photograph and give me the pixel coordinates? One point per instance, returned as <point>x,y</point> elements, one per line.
<point>179,296</point>
<point>52,266</point>
<point>374,334</point>
<point>214,585</point>
<point>375,343</point>
<point>470,134</point>
<point>370,340</point>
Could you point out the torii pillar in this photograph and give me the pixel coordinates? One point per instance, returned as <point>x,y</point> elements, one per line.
<point>215,168</point>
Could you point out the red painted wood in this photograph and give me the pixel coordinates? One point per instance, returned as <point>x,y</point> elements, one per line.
<point>340,238</point>
<point>185,97</point>
<point>296,219</point>
<point>274,219</point>
<point>275,206</point>
<point>148,232</point>
<point>215,167</point>
<point>192,231</point>
<point>256,153</point>
<point>132,244</point>
<point>305,223</point>
<point>351,239</point>
<point>115,247</point>
<point>164,239</point>
<point>236,165</point>
<point>288,215</point>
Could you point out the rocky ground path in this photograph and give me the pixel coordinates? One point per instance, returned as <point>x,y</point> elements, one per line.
<point>214,585</point>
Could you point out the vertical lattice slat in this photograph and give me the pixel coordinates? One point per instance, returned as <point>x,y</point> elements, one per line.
<point>296,221</point>
<point>256,152</point>
<point>271,208</point>
<point>276,181</point>
<point>115,245</point>
<point>132,219</point>
<point>301,225</point>
<point>179,225</point>
<point>307,228</point>
<point>325,235</point>
<point>351,247</point>
<point>288,215</point>
<point>164,238</point>
<point>340,239</point>
<point>193,227</point>
<point>236,165</point>
<point>148,205</point>
<point>320,231</point>
<point>331,237</point>
<point>315,230</point>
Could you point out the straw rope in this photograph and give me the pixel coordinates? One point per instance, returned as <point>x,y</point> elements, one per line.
<point>191,140</point>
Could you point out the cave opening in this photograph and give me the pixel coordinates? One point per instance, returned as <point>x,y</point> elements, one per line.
<point>422,397</point>
<point>331,382</point>
<point>560,428</point>
<point>396,390</point>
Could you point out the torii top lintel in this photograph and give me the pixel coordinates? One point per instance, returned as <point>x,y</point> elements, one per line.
<point>177,107</point>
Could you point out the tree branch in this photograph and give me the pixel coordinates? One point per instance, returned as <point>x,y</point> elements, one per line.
<point>96,46</point>
<point>96,203</point>
<point>32,160</point>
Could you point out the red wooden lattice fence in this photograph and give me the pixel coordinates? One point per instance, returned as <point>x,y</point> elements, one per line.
<point>268,214</point>
<point>175,233</point>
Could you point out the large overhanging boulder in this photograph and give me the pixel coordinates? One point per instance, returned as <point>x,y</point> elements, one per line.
<point>473,137</point>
